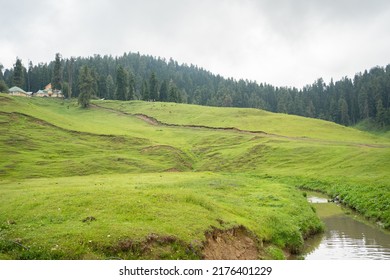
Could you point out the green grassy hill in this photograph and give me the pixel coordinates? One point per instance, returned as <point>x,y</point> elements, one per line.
<point>154,180</point>
<point>244,119</point>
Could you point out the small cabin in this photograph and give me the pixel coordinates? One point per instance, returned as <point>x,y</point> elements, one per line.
<point>41,93</point>
<point>17,91</point>
<point>49,92</point>
<point>57,93</point>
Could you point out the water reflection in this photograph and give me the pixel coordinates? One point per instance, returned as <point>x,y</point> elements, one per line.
<point>315,199</point>
<point>347,239</point>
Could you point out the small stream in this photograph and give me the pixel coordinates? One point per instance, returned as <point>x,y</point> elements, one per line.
<point>347,236</point>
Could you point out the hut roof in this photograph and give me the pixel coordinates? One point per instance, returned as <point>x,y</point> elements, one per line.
<point>16,89</point>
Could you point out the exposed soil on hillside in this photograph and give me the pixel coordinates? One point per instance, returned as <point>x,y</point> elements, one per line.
<point>232,244</point>
<point>154,121</point>
<point>147,119</point>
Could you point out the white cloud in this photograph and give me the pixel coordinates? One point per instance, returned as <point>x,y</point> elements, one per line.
<point>279,42</point>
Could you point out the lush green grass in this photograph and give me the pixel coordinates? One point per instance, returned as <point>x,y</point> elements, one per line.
<point>60,164</point>
<point>245,119</point>
<point>127,144</point>
<point>32,148</point>
<point>347,162</point>
<point>47,214</point>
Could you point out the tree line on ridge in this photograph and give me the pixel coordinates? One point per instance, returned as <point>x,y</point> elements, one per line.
<point>143,77</point>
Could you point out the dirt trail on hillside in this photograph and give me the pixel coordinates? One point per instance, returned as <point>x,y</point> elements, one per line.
<point>152,121</point>
<point>147,119</point>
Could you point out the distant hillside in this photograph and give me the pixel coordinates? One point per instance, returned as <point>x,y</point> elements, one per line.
<point>134,76</point>
<point>210,138</point>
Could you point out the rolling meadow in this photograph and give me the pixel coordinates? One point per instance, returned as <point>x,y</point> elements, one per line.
<point>153,180</point>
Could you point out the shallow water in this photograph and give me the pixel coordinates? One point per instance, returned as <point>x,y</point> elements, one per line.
<point>346,237</point>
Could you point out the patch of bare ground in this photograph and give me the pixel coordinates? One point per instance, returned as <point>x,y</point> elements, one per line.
<point>232,244</point>
<point>147,119</point>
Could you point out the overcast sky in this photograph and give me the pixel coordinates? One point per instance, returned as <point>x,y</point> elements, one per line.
<point>284,43</point>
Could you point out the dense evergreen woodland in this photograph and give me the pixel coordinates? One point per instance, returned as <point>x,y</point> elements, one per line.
<point>135,76</point>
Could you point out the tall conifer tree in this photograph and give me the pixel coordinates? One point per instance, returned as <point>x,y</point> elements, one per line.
<point>144,91</point>
<point>86,86</point>
<point>57,73</point>
<point>122,83</point>
<point>153,87</point>
<point>18,77</point>
<point>164,91</point>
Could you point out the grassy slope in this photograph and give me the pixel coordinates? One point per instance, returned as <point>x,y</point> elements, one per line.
<point>310,153</point>
<point>50,212</point>
<point>263,171</point>
<point>306,147</point>
<point>245,119</point>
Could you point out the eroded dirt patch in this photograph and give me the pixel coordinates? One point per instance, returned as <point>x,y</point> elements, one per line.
<point>233,244</point>
<point>147,119</point>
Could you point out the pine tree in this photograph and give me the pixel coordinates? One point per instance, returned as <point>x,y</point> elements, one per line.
<point>164,91</point>
<point>380,113</point>
<point>86,87</point>
<point>57,73</point>
<point>343,107</point>
<point>310,110</point>
<point>282,103</point>
<point>173,92</point>
<point>144,91</point>
<point>3,85</point>
<point>65,88</point>
<point>131,87</point>
<point>30,67</point>
<point>18,76</point>
<point>122,83</point>
<point>70,76</point>
<point>153,87</point>
<point>102,87</point>
<point>364,111</point>
<point>1,72</point>
<point>227,100</point>
<point>110,87</point>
